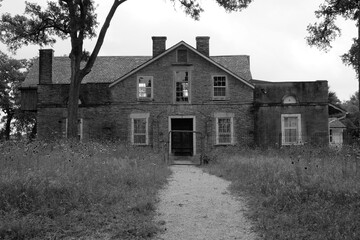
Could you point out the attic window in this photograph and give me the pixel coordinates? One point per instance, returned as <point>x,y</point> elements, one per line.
<point>289,100</point>
<point>182,56</point>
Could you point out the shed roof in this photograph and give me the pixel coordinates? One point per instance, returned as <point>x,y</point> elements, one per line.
<point>335,123</point>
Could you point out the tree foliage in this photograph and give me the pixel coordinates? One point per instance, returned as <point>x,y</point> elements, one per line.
<point>12,73</point>
<point>323,33</point>
<point>77,20</point>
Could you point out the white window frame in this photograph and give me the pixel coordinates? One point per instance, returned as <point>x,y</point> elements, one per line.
<point>283,128</point>
<point>232,135</point>
<point>80,128</point>
<point>188,82</point>
<point>145,116</point>
<point>213,87</point>
<point>151,78</point>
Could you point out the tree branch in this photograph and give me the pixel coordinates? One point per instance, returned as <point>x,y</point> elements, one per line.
<point>90,63</point>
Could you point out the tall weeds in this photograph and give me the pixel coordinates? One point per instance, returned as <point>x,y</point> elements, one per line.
<point>296,193</point>
<point>80,190</point>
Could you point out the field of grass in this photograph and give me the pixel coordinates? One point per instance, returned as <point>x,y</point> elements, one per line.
<point>70,190</point>
<point>296,193</point>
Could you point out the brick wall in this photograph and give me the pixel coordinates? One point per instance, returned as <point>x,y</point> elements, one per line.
<point>311,105</point>
<point>106,111</point>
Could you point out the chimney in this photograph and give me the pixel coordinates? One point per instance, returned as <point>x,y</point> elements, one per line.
<point>45,66</point>
<point>159,45</point>
<point>202,45</point>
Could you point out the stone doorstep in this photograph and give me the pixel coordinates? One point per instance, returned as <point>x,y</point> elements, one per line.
<point>184,160</point>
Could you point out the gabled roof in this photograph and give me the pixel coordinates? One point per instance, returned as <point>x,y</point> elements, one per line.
<point>111,69</point>
<point>182,43</point>
<point>335,123</point>
<point>105,70</point>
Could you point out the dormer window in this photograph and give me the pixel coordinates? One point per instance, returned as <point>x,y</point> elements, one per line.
<point>289,100</point>
<point>182,56</point>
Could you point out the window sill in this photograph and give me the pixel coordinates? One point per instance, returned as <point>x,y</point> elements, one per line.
<point>145,99</point>
<point>181,64</point>
<point>292,144</point>
<point>224,144</point>
<point>220,99</point>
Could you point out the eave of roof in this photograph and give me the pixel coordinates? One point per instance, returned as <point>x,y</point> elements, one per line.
<point>171,49</point>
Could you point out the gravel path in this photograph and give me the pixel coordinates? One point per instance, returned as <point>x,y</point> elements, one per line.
<point>196,205</point>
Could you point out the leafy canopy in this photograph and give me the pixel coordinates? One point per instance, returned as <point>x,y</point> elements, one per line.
<point>63,17</point>
<point>322,33</point>
<point>38,26</point>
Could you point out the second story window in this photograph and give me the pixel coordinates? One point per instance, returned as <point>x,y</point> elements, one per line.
<point>145,87</point>
<point>182,86</point>
<point>220,87</point>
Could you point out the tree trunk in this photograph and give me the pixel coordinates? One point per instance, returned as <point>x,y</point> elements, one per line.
<point>74,93</point>
<point>78,74</point>
<point>9,118</point>
<point>358,66</point>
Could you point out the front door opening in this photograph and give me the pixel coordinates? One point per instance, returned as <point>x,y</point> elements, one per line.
<point>182,142</point>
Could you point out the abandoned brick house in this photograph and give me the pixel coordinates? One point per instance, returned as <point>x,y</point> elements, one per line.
<point>181,97</point>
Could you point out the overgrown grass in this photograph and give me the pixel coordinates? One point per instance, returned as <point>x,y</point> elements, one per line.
<point>296,193</point>
<point>67,190</point>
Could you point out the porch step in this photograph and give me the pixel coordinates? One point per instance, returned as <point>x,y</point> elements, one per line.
<point>184,160</point>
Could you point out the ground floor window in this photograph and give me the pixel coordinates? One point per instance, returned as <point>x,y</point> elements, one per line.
<point>79,128</point>
<point>224,128</point>
<point>139,128</point>
<point>291,129</point>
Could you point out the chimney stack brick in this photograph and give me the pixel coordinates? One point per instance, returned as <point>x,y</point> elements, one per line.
<point>159,45</point>
<point>45,66</point>
<point>202,45</point>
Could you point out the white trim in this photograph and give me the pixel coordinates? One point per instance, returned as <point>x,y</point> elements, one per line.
<point>145,116</point>
<point>182,43</point>
<point>80,131</point>
<point>185,69</point>
<point>137,87</point>
<point>218,98</point>
<point>219,115</point>
<point>299,133</point>
<point>194,129</point>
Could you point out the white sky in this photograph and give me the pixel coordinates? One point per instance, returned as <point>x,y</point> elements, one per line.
<point>272,32</point>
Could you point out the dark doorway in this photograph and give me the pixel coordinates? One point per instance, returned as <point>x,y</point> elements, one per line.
<point>182,142</point>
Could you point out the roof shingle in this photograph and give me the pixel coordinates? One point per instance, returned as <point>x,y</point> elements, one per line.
<point>109,68</point>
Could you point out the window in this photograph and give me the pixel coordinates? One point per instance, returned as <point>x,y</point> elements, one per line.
<point>79,128</point>
<point>220,87</point>
<point>145,87</point>
<point>182,56</point>
<point>224,128</point>
<point>291,129</point>
<point>182,87</point>
<point>331,135</point>
<point>289,100</point>
<point>139,128</point>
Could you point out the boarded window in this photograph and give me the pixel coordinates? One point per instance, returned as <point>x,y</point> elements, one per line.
<point>182,56</point>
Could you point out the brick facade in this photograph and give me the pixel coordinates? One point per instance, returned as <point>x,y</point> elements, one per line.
<point>107,108</point>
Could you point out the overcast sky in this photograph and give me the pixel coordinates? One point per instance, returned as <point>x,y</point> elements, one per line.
<point>271,32</point>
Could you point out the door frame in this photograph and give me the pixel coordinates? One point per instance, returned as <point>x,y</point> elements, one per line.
<point>194,129</point>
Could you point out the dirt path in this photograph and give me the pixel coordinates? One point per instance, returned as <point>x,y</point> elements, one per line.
<point>196,205</point>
